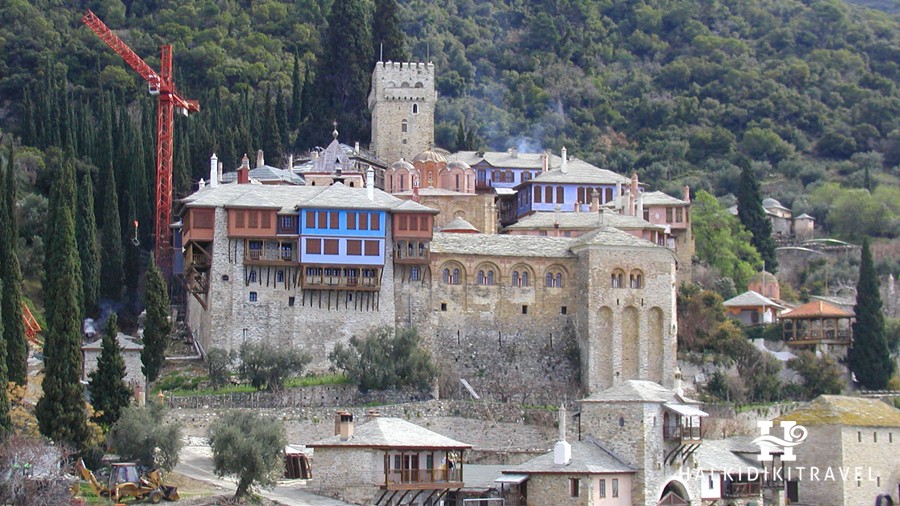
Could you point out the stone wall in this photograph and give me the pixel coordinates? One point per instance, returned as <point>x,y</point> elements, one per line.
<point>346,473</point>
<point>396,89</point>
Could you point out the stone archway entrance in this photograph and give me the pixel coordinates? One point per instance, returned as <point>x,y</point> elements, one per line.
<point>674,495</point>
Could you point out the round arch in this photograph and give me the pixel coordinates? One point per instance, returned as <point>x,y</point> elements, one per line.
<point>452,272</point>
<point>487,274</point>
<point>521,275</point>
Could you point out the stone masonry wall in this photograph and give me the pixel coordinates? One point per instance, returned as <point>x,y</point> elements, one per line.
<point>396,87</point>
<point>345,473</point>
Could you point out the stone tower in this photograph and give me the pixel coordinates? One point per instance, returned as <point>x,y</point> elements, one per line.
<point>402,103</point>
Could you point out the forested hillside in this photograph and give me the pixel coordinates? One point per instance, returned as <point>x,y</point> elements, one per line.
<point>673,89</point>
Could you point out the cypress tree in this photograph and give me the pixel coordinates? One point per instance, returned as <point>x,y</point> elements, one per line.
<point>753,216</point>
<point>61,411</point>
<point>111,275</point>
<point>62,196</point>
<point>869,356</point>
<point>109,393</point>
<point>14,327</point>
<point>88,251</point>
<point>4,400</point>
<point>388,40</point>
<point>344,74</point>
<point>156,326</point>
<point>296,115</point>
<point>132,261</point>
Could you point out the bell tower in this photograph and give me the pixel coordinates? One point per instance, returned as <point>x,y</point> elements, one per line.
<point>402,102</point>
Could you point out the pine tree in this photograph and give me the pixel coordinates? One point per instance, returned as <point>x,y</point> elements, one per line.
<point>156,326</point>
<point>388,40</point>
<point>296,114</point>
<point>753,216</point>
<point>869,356</point>
<point>4,400</point>
<point>109,393</point>
<point>88,251</point>
<point>343,74</point>
<point>61,411</point>
<point>14,327</point>
<point>111,275</point>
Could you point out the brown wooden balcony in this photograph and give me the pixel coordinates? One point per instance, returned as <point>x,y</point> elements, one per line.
<point>814,335</point>
<point>270,252</point>
<point>422,479</point>
<point>733,489</point>
<point>684,433</point>
<point>340,279</point>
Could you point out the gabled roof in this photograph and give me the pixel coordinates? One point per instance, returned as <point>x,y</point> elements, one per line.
<point>288,198</point>
<point>804,216</point>
<point>501,245</point>
<point>639,391</point>
<point>750,298</point>
<point>505,159</point>
<point>431,191</point>
<point>387,432</point>
<point>658,198</point>
<point>845,410</point>
<point>579,172</point>
<point>816,309</point>
<point>269,173</point>
<point>459,224</point>
<point>126,343</point>
<point>734,454</point>
<point>411,206</point>
<point>609,236</point>
<point>588,457</point>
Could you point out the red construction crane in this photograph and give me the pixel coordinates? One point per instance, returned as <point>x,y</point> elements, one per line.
<point>162,84</point>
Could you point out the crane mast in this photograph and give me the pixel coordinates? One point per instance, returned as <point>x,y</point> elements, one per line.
<point>163,85</point>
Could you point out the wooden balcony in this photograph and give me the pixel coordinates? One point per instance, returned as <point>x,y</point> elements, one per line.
<point>347,278</point>
<point>270,252</point>
<point>685,433</point>
<point>733,490</point>
<point>422,479</point>
<point>809,336</point>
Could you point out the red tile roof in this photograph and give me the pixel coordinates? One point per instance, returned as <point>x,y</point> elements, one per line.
<point>816,309</point>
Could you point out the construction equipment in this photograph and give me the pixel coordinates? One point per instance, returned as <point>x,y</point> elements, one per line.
<point>125,482</point>
<point>31,325</point>
<point>163,85</point>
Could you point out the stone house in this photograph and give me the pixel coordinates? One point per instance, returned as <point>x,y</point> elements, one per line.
<point>402,101</point>
<point>131,355</point>
<point>728,471</point>
<point>387,461</point>
<point>849,456</point>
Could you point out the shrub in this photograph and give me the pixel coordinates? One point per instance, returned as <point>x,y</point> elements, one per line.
<point>140,431</point>
<point>386,358</point>
<point>248,447</point>
<point>218,365</point>
<point>266,366</point>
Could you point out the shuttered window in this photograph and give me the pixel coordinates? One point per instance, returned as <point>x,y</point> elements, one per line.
<point>314,246</point>
<point>372,248</point>
<point>331,246</point>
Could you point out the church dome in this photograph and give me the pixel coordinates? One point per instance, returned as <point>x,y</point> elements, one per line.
<point>770,202</point>
<point>458,164</point>
<point>402,164</point>
<point>430,155</point>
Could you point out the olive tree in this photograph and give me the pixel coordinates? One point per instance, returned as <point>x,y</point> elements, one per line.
<point>248,447</point>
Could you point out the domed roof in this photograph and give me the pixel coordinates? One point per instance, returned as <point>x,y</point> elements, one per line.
<point>430,155</point>
<point>763,276</point>
<point>459,164</point>
<point>402,164</point>
<point>770,202</point>
<point>459,225</point>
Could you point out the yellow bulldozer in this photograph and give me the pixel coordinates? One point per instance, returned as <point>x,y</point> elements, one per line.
<point>125,482</point>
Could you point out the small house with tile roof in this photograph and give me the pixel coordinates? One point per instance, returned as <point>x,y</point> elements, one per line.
<point>849,455</point>
<point>729,471</point>
<point>387,461</point>
<point>818,326</point>
<point>131,355</point>
<point>751,308</point>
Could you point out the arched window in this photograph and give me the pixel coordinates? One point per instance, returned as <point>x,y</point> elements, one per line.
<point>490,278</point>
<point>524,278</point>
<point>455,279</point>
<point>404,126</point>
<point>414,273</point>
<point>636,279</point>
<point>554,279</point>
<point>617,279</point>
<point>415,108</point>
<point>549,281</point>
<point>481,277</point>
<point>515,278</point>
<point>445,276</point>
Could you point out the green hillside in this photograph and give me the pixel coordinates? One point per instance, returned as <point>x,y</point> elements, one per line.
<point>673,89</point>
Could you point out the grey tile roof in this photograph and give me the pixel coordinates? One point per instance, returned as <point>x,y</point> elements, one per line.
<point>610,236</point>
<point>504,159</point>
<point>126,343</point>
<point>569,220</point>
<point>288,198</point>
<point>588,457</point>
<point>459,224</point>
<point>733,454</point>
<point>639,391</point>
<point>580,172</point>
<point>411,206</point>
<point>501,245</point>
<point>658,198</point>
<point>387,432</point>
<point>269,173</point>
<point>431,191</point>
<point>750,298</point>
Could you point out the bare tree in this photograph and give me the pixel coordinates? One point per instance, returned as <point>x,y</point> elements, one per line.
<point>34,472</point>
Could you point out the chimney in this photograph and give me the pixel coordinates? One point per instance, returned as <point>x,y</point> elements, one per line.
<point>202,184</point>
<point>356,148</point>
<point>640,205</point>
<point>370,183</point>
<point>213,171</point>
<point>513,153</point>
<point>415,195</point>
<point>687,193</point>
<point>346,426</point>
<point>545,161</point>
<point>562,451</point>
<point>260,159</point>
<point>679,386</point>
<point>634,192</point>
<point>564,168</point>
<point>337,421</point>
<point>372,414</point>
<point>618,189</point>
<point>595,200</point>
<point>243,172</point>
<point>219,171</point>
<point>290,162</point>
